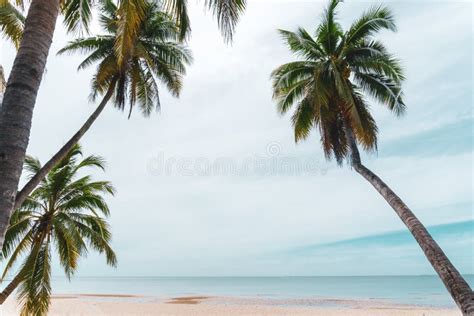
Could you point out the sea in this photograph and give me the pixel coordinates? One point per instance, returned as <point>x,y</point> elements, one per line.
<point>425,290</point>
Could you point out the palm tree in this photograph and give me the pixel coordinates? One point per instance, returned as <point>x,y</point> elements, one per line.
<point>27,71</point>
<point>66,210</point>
<point>154,54</point>
<point>327,88</point>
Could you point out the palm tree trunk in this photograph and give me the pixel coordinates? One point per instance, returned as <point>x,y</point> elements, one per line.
<point>2,84</point>
<point>19,100</point>
<point>36,179</point>
<point>10,288</point>
<point>456,285</point>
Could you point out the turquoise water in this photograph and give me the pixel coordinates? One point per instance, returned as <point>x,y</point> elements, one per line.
<point>419,290</point>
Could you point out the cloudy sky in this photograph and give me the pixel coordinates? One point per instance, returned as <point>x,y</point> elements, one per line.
<point>280,209</point>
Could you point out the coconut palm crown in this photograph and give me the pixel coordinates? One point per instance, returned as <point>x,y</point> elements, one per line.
<point>130,67</point>
<point>66,213</point>
<point>327,87</point>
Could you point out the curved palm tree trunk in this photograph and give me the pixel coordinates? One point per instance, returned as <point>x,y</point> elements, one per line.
<point>9,289</point>
<point>19,100</point>
<point>457,286</point>
<point>36,179</point>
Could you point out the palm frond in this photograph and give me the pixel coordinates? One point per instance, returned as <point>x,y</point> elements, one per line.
<point>90,161</point>
<point>147,92</point>
<point>105,77</point>
<point>87,200</point>
<point>384,65</point>
<point>290,73</point>
<point>94,57</point>
<point>365,129</point>
<point>87,44</point>
<point>372,21</point>
<point>21,248</point>
<point>31,165</point>
<point>69,245</point>
<point>178,9</point>
<point>329,31</point>
<point>34,291</point>
<point>303,119</point>
<point>385,90</point>
<point>159,26</point>
<point>302,44</point>
<point>20,223</point>
<point>227,13</point>
<point>363,50</point>
<point>108,18</point>
<point>12,23</point>
<point>97,232</point>
<point>77,15</point>
<point>131,14</point>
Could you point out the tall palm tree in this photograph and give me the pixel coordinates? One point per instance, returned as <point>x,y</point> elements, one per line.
<point>27,71</point>
<point>326,88</point>
<point>128,75</point>
<point>67,211</point>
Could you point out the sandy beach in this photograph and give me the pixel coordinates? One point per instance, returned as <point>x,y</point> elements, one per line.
<point>104,304</point>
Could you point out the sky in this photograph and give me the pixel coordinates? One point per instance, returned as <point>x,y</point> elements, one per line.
<point>214,185</point>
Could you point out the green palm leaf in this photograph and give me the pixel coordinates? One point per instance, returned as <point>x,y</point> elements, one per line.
<point>329,31</point>
<point>372,21</point>
<point>227,13</point>
<point>302,44</point>
<point>385,90</point>
<point>77,15</point>
<point>11,22</point>
<point>35,289</point>
<point>132,13</point>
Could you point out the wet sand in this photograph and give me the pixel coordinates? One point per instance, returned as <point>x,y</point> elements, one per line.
<point>111,304</point>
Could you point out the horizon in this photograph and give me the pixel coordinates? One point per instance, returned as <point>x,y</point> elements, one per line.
<point>247,276</point>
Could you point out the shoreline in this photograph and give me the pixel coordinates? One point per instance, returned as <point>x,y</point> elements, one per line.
<point>203,305</point>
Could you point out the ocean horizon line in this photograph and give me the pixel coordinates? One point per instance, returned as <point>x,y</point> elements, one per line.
<point>253,276</point>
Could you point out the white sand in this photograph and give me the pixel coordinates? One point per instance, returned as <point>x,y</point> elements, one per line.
<point>228,306</point>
